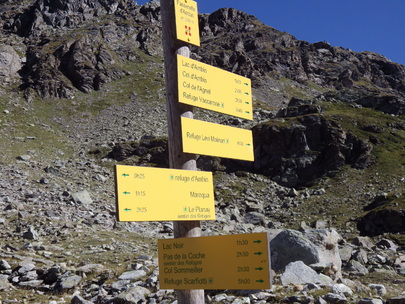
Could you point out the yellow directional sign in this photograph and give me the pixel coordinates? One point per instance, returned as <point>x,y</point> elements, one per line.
<point>239,261</point>
<point>187,28</point>
<point>200,137</point>
<point>211,88</point>
<point>154,194</point>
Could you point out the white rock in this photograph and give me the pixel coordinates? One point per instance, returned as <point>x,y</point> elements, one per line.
<point>342,289</point>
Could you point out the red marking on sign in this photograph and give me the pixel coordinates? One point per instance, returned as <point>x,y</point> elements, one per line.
<point>188,30</point>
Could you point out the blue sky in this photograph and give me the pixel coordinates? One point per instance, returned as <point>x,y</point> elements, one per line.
<point>360,25</point>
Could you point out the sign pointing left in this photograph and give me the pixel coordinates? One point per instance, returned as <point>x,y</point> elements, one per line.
<point>154,194</point>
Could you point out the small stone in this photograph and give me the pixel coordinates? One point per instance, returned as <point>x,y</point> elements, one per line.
<point>82,197</point>
<point>335,298</point>
<point>346,252</point>
<point>132,275</point>
<point>387,244</point>
<point>134,295</point>
<point>4,284</point>
<point>378,288</point>
<point>397,300</point>
<point>342,289</point>
<point>298,273</point>
<point>24,157</point>
<point>363,241</point>
<point>26,268</point>
<point>120,285</point>
<point>79,300</point>
<point>356,268</point>
<point>91,268</point>
<point>44,180</point>
<point>31,234</point>
<point>6,112</point>
<point>31,284</point>
<point>4,265</point>
<point>370,301</point>
<point>68,282</point>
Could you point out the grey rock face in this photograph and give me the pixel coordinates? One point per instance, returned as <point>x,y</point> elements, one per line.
<point>68,282</point>
<point>382,220</point>
<point>370,301</point>
<point>10,64</point>
<point>4,265</point>
<point>378,288</point>
<point>397,300</point>
<point>286,153</point>
<point>342,289</point>
<point>91,268</point>
<point>289,246</point>
<point>4,284</point>
<point>134,295</point>
<point>299,273</point>
<point>132,275</point>
<point>31,234</point>
<point>79,300</point>
<point>357,268</point>
<point>82,197</point>
<point>311,247</point>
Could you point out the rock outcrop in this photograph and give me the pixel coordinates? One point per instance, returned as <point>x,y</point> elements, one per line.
<point>60,240</point>
<point>255,50</point>
<point>386,214</point>
<point>10,64</point>
<point>318,248</point>
<point>83,44</point>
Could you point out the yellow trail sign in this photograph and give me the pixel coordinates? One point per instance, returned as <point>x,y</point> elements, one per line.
<point>200,137</point>
<point>211,88</point>
<point>153,194</point>
<point>187,28</point>
<point>239,261</point>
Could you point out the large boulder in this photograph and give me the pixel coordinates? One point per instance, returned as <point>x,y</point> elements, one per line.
<point>297,152</point>
<point>318,248</point>
<point>10,64</point>
<point>386,215</point>
<point>298,273</point>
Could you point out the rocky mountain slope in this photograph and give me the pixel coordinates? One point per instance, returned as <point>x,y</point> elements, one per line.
<point>82,88</point>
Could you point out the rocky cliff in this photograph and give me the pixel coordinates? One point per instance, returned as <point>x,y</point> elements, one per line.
<point>70,45</point>
<point>82,89</point>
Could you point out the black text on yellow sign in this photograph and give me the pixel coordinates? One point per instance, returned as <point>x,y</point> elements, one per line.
<point>217,262</point>
<point>211,88</point>
<point>200,137</point>
<point>187,28</point>
<point>154,194</point>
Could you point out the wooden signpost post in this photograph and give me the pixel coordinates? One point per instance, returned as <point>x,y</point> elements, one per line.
<point>190,263</point>
<point>177,158</point>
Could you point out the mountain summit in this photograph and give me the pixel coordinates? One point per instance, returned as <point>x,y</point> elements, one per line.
<point>82,89</point>
<point>79,45</point>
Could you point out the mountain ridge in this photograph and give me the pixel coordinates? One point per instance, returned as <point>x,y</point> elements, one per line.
<point>82,89</point>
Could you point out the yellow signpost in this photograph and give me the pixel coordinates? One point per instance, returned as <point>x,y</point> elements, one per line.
<point>154,194</point>
<point>187,28</point>
<point>207,138</point>
<point>211,88</point>
<point>239,261</point>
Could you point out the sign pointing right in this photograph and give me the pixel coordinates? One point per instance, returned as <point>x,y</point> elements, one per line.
<point>215,262</point>
<point>211,88</point>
